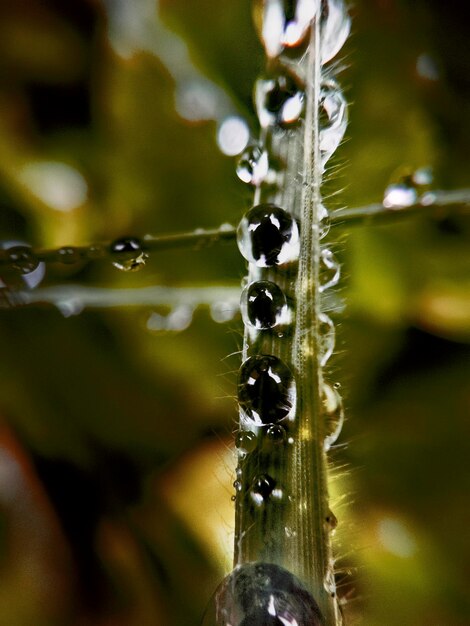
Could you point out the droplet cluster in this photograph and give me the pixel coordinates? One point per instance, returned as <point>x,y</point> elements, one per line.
<point>269,238</point>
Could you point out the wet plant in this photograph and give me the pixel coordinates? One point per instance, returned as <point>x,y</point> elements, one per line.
<point>290,409</point>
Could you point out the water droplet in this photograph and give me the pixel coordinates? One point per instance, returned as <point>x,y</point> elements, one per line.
<point>22,259</point>
<point>336,385</point>
<point>335,28</point>
<point>279,101</point>
<point>237,485</point>
<point>15,272</point>
<point>289,532</point>
<point>333,119</point>
<point>334,415</point>
<point>68,255</point>
<point>96,251</point>
<point>323,221</point>
<point>128,254</point>
<point>399,196</point>
<point>286,23</point>
<point>263,305</point>
<point>253,165</point>
<point>330,270</point>
<point>276,434</point>
<point>266,390</point>
<point>331,521</point>
<point>246,441</point>
<point>262,594</point>
<point>327,338</point>
<point>268,235</point>
<point>262,488</point>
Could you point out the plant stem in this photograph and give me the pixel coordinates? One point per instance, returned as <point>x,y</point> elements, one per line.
<point>436,203</point>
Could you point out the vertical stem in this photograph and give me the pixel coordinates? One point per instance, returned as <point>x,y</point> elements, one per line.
<point>312,560</point>
<point>294,533</point>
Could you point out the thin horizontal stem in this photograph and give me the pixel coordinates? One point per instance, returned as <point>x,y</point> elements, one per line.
<point>79,297</point>
<point>428,203</point>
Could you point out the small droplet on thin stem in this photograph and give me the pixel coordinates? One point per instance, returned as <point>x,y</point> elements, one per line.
<point>22,259</point>
<point>128,254</point>
<point>68,255</point>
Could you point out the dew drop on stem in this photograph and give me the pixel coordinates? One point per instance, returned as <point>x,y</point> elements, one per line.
<point>68,255</point>
<point>266,390</point>
<point>279,101</point>
<point>262,594</point>
<point>330,270</point>
<point>253,165</point>
<point>262,488</point>
<point>128,254</point>
<point>335,28</point>
<point>327,338</point>
<point>263,305</point>
<point>333,414</point>
<point>246,441</point>
<point>333,119</point>
<point>268,236</point>
<point>276,434</point>
<point>286,24</point>
<point>22,259</point>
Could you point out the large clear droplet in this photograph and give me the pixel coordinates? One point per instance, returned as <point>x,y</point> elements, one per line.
<point>327,338</point>
<point>286,23</point>
<point>266,390</point>
<point>333,119</point>
<point>262,594</point>
<point>335,28</point>
<point>330,270</point>
<point>263,305</point>
<point>268,235</point>
<point>334,414</point>
<point>253,165</point>
<point>128,254</point>
<point>279,101</point>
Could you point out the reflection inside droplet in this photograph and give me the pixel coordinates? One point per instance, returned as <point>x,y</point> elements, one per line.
<point>279,101</point>
<point>263,305</point>
<point>262,594</point>
<point>253,165</point>
<point>266,390</point>
<point>128,254</point>
<point>268,235</point>
<point>25,271</point>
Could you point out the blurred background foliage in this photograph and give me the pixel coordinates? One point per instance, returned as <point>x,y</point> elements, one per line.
<point>115,457</point>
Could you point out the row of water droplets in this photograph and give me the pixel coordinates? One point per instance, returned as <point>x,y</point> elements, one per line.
<point>269,238</point>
